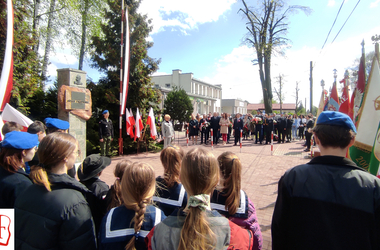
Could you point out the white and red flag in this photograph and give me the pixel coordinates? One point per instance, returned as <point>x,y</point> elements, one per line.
<point>124,92</point>
<point>130,122</point>
<point>139,125</point>
<point>6,80</point>
<point>10,114</point>
<point>152,124</point>
<point>333,104</point>
<point>345,99</point>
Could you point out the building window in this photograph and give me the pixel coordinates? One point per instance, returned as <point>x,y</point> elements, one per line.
<point>167,85</point>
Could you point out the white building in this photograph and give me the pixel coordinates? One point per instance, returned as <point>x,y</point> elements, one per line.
<point>234,106</point>
<point>204,96</point>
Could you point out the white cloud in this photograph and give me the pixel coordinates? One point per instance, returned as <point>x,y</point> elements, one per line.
<point>182,13</point>
<point>52,70</point>
<point>63,57</point>
<point>331,3</point>
<point>374,4</point>
<point>240,79</point>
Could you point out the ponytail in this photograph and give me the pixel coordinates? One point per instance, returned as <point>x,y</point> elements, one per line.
<point>138,221</point>
<point>39,176</point>
<point>230,166</point>
<point>115,194</point>
<point>196,232</point>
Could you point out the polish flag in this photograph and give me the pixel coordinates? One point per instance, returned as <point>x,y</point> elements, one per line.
<point>139,125</point>
<point>6,79</point>
<point>345,99</point>
<point>11,114</point>
<point>152,124</point>
<point>131,118</point>
<point>129,123</point>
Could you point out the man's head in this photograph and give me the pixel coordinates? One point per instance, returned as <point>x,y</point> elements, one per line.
<point>106,114</point>
<point>334,130</point>
<point>39,128</point>
<point>215,114</point>
<point>10,126</point>
<point>237,115</point>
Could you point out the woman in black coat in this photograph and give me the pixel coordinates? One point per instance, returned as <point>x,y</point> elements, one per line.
<point>16,149</point>
<point>194,128</point>
<point>54,213</point>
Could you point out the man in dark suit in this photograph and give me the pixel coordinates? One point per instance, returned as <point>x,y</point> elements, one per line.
<point>259,128</point>
<point>281,126</point>
<point>202,128</point>
<point>238,125</point>
<point>308,132</point>
<point>269,128</point>
<point>214,124</point>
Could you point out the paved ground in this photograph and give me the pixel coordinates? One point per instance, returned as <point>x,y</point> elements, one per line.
<point>261,172</point>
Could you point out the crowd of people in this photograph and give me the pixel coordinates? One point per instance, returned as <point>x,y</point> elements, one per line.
<point>286,128</point>
<point>197,204</point>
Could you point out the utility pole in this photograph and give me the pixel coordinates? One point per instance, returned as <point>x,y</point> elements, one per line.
<point>311,86</point>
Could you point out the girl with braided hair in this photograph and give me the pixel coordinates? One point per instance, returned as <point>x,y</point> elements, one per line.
<point>113,197</point>
<point>198,227</point>
<point>126,226</point>
<point>170,193</point>
<point>231,201</point>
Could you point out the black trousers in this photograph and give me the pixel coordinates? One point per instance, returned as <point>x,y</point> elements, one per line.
<point>203,135</point>
<point>301,133</point>
<point>237,136</point>
<point>289,134</point>
<point>215,136</point>
<point>259,133</point>
<point>268,132</point>
<point>308,139</point>
<point>281,135</point>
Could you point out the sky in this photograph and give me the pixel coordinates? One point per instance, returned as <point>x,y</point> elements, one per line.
<point>206,38</point>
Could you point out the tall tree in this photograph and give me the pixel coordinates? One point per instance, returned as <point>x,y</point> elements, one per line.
<point>279,91</point>
<point>297,97</point>
<point>26,66</point>
<point>178,105</point>
<point>267,26</point>
<point>106,57</point>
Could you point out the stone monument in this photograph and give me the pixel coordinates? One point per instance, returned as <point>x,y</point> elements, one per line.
<point>74,104</point>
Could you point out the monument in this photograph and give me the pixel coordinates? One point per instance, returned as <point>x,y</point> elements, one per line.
<point>74,104</point>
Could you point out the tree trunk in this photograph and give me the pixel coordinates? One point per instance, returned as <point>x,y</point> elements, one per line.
<point>48,43</point>
<point>84,34</point>
<point>36,21</point>
<point>267,88</point>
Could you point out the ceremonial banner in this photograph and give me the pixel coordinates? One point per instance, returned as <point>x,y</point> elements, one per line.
<point>360,86</point>
<point>375,156</point>
<point>6,80</point>
<point>334,99</point>
<point>321,106</point>
<point>368,120</point>
<point>345,99</point>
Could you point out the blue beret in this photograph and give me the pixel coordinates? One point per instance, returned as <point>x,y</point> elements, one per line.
<point>20,140</point>
<point>335,118</point>
<point>105,112</point>
<point>57,123</point>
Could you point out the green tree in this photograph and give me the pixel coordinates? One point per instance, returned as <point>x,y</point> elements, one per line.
<point>267,26</point>
<point>106,58</point>
<point>178,105</point>
<point>26,64</point>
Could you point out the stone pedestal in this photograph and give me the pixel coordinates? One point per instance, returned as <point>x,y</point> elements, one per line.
<point>73,78</point>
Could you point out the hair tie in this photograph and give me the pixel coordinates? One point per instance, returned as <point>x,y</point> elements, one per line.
<point>137,235</point>
<point>117,178</point>
<point>201,201</point>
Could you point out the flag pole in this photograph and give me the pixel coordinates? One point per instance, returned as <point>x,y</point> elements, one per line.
<point>121,81</point>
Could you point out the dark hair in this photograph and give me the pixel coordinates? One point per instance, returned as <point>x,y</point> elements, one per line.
<point>36,126</point>
<point>115,190</point>
<point>51,130</point>
<point>10,126</point>
<point>11,159</point>
<point>333,136</point>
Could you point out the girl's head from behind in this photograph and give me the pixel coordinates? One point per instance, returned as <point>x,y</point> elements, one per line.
<point>138,185</point>
<point>171,159</point>
<point>230,170</point>
<point>199,172</point>
<point>199,176</point>
<point>116,199</point>
<point>54,149</point>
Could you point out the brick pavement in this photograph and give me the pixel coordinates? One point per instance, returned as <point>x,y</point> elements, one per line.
<point>261,172</point>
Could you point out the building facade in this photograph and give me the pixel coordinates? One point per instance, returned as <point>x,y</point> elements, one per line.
<point>234,106</point>
<point>286,107</point>
<point>205,97</point>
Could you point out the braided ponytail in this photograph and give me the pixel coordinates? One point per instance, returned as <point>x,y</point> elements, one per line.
<point>137,189</point>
